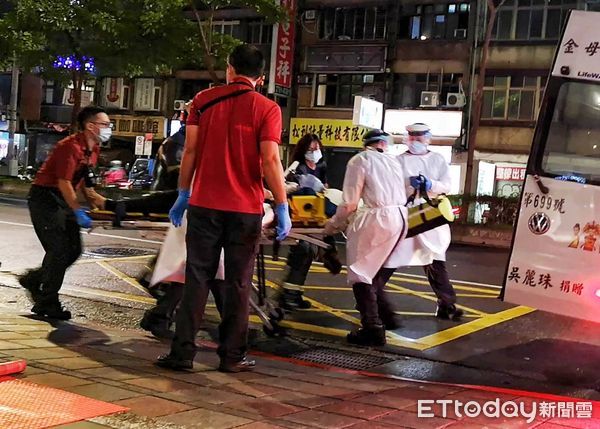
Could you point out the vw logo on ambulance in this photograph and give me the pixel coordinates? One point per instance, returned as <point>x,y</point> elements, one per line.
<point>539,223</point>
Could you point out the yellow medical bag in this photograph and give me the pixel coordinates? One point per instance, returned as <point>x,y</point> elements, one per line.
<point>308,210</point>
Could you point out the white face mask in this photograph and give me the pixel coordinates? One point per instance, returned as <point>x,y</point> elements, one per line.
<point>417,147</point>
<point>105,134</point>
<point>314,156</point>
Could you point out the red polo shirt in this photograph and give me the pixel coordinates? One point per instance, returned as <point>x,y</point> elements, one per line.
<point>67,161</point>
<point>228,173</point>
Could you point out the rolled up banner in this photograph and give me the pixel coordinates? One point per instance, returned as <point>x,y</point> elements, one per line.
<point>427,216</point>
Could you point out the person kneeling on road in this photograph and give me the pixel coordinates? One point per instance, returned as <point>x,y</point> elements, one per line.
<point>373,232</point>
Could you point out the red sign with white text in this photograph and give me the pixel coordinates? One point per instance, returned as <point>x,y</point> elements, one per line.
<point>284,51</point>
<point>510,173</point>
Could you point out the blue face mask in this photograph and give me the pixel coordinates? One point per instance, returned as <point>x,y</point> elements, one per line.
<point>417,148</point>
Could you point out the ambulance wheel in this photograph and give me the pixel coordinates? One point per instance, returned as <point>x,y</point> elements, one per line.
<point>276,331</point>
<point>277,314</point>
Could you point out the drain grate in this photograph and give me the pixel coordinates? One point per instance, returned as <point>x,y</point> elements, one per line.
<point>341,358</point>
<point>117,251</point>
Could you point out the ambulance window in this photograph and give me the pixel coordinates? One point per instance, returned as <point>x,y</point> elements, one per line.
<point>573,143</point>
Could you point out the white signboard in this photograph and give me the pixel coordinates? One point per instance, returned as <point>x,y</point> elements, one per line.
<point>145,95</point>
<point>443,123</point>
<point>367,113</point>
<point>69,97</point>
<point>139,145</point>
<point>578,55</point>
<point>147,148</point>
<point>554,261</point>
<point>113,93</point>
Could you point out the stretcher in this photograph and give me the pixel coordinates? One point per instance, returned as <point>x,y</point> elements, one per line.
<point>269,313</point>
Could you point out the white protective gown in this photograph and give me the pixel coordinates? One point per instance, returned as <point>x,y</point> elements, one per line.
<point>374,229</point>
<point>424,248</point>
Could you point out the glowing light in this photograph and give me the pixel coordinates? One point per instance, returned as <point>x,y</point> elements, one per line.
<point>71,62</point>
<point>598,293</point>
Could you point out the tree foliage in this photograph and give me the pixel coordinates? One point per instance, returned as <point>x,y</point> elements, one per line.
<point>124,37</point>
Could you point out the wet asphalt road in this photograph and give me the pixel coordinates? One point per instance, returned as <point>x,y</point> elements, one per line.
<point>536,351</point>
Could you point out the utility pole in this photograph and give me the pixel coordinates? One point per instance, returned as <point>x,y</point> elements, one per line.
<point>13,165</point>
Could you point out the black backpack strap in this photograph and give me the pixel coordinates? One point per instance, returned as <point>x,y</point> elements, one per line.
<point>217,100</point>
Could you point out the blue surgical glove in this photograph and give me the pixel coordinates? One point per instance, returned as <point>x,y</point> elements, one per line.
<point>415,182</point>
<point>83,220</point>
<point>284,223</point>
<point>427,184</point>
<point>180,206</point>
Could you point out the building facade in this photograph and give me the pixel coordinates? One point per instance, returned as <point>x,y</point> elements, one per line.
<point>418,57</point>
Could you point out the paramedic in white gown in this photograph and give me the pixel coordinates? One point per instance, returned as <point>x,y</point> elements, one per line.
<point>373,232</point>
<point>422,167</point>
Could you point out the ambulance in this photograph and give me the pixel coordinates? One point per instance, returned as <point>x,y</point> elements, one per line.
<point>555,255</point>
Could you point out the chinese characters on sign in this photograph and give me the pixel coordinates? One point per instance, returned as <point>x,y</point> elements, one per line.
<point>283,52</point>
<point>333,132</point>
<point>132,126</point>
<point>544,202</point>
<point>571,45</point>
<point>543,281</point>
<point>510,173</point>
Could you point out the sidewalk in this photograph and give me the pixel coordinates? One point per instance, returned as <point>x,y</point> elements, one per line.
<point>116,366</point>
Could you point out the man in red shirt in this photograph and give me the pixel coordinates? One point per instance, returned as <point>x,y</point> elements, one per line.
<point>55,212</point>
<point>232,140</point>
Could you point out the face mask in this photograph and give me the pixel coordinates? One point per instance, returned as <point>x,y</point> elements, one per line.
<point>417,147</point>
<point>105,134</point>
<point>314,156</point>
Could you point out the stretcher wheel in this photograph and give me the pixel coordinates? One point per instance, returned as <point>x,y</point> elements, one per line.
<point>277,331</point>
<point>277,314</point>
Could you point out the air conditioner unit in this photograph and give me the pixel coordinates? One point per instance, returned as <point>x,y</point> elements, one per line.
<point>455,99</point>
<point>460,33</point>
<point>430,99</point>
<point>310,15</point>
<point>179,105</point>
<point>115,93</point>
<point>147,95</point>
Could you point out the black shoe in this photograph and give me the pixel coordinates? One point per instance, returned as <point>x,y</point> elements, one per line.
<point>241,366</point>
<point>171,362</point>
<point>51,311</point>
<point>372,337</point>
<point>448,312</point>
<point>291,299</point>
<point>33,287</point>
<point>159,327</point>
<point>391,325</point>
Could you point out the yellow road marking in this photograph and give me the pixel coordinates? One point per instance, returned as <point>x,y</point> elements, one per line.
<point>119,259</point>
<point>322,307</point>
<point>457,286</point>
<point>346,289</point>
<point>464,329</point>
<point>432,298</point>
<point>483,320</point>
<point>400,313</point>
<point>130,280</point>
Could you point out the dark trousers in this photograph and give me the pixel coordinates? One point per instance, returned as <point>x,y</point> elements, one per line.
<point>371,300</point>
<point>57,229</point>
<point>169,295</point>
<point>440,282</point>
<point>208,232</point>
<point>299,260</point>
